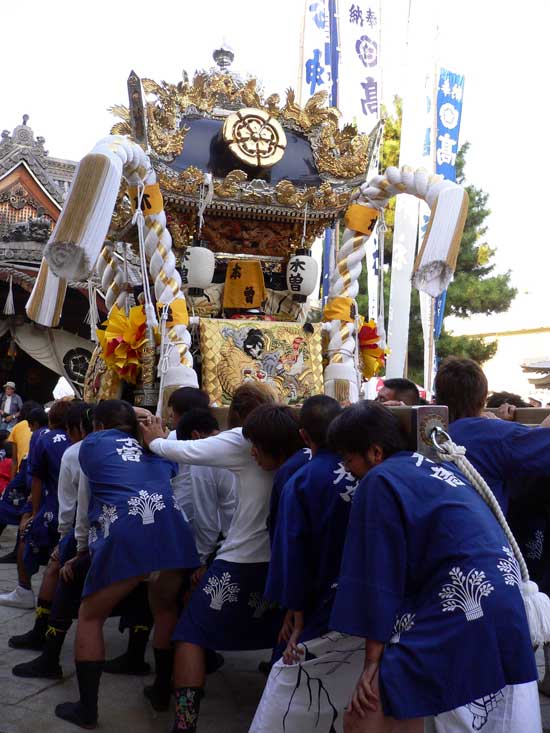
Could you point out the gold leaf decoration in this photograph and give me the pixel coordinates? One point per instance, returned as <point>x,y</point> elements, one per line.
<point>229,187</point>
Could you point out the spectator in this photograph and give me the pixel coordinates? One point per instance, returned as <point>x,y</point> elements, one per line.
<point>10,404</point>
<point>5,466</point>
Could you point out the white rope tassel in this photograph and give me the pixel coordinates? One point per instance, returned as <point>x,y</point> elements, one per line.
<point>9,307</point>
<point>537,604</point>
<point>139,220</point>
<point>93,315</point>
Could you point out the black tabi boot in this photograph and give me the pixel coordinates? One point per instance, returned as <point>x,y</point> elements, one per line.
<point>47,664</point>
<point>213,660</point>
<point>160,691</point>
<point>36,637</point>
<point>84,712</point>
<point>188,703</point>
<point>133,659</point>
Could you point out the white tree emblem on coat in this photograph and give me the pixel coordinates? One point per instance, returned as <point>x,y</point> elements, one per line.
<point>59,438</point>
<point>145,505</point>
<point>221,591</point>
<point>509,567</point>
<point>107,517</point>
<point>465,592</point>
<point>260,605</point>
<point>405,623</point>
<point>92,535</point>
<point>343,475</point>
<point>535,546</point>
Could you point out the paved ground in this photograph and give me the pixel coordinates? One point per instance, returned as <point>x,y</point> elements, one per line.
<point>26,706</point>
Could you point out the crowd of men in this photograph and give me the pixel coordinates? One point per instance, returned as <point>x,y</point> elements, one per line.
<point>377,578</point>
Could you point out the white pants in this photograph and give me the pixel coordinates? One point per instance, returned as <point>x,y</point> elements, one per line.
<point>515,709</point>
<point>311,697</point>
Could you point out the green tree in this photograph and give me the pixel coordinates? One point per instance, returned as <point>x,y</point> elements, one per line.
<point>473,290</point>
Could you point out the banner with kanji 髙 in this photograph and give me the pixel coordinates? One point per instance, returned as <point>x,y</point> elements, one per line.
<point>450,91</point>
<point>316,72</point>
<point>359,62</point>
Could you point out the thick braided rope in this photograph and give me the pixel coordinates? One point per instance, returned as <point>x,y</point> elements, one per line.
<point>112,278</point>
<point>138,172</point>
<point>457,454</point>
<point>344,281</point>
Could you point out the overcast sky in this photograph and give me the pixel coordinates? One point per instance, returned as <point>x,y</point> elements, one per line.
<point>65,62</point>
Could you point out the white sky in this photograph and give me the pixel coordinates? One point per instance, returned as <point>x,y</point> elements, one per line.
<point>65,62</point>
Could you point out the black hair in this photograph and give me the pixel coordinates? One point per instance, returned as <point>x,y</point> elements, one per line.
<point>188,398</point>
<point>246,398</point>
<point>364,424</point>
<point>87,420</point>
<point>26,408</point>
<point>275,430</point>
<point>57,415</point>
<point>116,414</point>
<point>404,390</point>
<point>8,449</point>
<point>316,415</point>
<point>198,419</point>
<point>76,415</point>
<point>4,435</point>
<point>38,416</point>
<point>462,386</point>
<point>499,398</point>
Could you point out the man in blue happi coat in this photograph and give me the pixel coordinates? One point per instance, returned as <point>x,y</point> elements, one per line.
<point>310,531</point>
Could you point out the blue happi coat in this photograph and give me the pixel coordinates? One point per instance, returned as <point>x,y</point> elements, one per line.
<point>428,571</point>
<point>309,539</point>
<point>289,467</point>
<point>135,525</point>
<point>44,462</point>
<point>502,451</point>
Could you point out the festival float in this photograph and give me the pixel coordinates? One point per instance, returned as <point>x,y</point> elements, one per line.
<point>215,193</point>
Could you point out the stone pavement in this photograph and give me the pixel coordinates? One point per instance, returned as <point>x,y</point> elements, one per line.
<point>26,706</point>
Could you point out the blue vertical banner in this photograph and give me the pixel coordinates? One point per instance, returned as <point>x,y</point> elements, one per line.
<point>450,93</point>
<point>316,73</point>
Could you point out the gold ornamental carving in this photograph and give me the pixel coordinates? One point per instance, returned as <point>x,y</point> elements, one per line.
<point>255,137</point>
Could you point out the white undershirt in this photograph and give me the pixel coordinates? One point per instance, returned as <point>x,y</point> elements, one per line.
<point>67,488</point>
<point>247,539</point>
<point>7,405</point>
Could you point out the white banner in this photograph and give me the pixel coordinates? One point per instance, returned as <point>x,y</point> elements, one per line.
<point>315,66</point>
<point>426,301</point>
<point>359,66</point>
<point>420,37</point>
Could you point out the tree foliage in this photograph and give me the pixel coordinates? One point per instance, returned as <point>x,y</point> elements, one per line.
<point>474,288</point>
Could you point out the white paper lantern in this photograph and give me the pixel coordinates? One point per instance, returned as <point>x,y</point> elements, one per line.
<point>301,275</point>
<point>200,263</point>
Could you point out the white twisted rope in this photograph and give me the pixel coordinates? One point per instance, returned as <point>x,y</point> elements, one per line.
<point>113,279</point>
<point>344,281</point>
<point>457,454</point>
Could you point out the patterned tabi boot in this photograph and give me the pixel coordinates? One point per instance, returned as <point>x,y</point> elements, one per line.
<point>36,637</point>
<point>188,702</point>
<point>160,691</point>
<point>84,712</point>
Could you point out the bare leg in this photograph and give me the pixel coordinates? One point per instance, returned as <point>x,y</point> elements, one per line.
<point>544,684</point>
<point>189,667</point>
<point>163,597</point>
<point>49,580</point>
<point>94,609</point>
